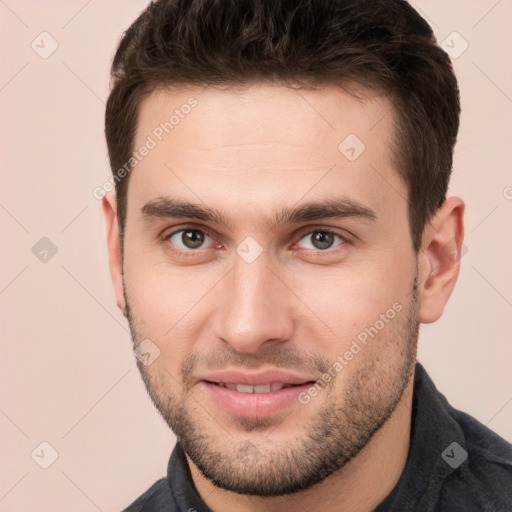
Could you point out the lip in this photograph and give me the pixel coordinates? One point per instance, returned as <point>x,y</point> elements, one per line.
<point>254,405</point>
<point>255,378</point>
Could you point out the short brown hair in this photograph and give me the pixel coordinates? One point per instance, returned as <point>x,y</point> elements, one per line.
<point>383,45</point>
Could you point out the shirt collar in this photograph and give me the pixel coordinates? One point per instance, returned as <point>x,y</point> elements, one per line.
<point>433,430</point>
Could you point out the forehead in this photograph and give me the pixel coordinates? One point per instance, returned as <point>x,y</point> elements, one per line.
<point>263,113</point>
<point>263,145</point>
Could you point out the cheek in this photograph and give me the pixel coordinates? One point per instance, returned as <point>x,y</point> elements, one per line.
<point>166,301</point>
<point>343,302</point>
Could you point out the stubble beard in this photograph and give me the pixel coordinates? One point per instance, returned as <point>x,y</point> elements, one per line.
<point>331,438</point>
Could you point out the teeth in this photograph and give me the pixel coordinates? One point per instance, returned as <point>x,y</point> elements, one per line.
<point>264,388</point>
<point>242,388</point>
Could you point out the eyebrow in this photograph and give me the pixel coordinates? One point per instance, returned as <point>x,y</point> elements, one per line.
<point>168,207</point>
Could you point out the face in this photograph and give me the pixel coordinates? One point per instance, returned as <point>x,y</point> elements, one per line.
<point>268,265</point>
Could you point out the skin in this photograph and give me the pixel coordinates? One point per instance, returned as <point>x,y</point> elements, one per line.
<point>248,153</point>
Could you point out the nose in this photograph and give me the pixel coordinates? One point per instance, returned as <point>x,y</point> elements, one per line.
<point>255,307</point>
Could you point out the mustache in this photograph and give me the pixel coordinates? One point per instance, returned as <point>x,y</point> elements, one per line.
<point>285,358</point>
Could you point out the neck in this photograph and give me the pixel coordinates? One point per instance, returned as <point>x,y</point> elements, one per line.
<point>359,486</point>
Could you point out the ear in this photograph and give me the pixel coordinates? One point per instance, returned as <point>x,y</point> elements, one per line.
<point>115,260</point>
<point>439,258</point>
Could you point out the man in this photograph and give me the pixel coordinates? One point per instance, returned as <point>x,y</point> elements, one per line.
<point>280,229</point>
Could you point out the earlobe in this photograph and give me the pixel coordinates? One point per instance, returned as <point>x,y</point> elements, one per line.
<point>439,259</point>
<point>109,205</point>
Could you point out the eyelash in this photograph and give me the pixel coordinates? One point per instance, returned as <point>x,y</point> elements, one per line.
<point>198,252</point>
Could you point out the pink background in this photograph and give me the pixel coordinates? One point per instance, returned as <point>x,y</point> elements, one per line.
<point>68,373</point>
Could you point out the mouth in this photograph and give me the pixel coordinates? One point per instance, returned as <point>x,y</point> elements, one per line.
<point>261,388</point>
<point>254,396</point>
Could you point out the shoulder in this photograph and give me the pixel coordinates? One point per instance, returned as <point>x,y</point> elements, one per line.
<point>484,479</point>
<point>158,498</point>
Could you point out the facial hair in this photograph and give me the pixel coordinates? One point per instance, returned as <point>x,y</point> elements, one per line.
<point>332,436</point>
